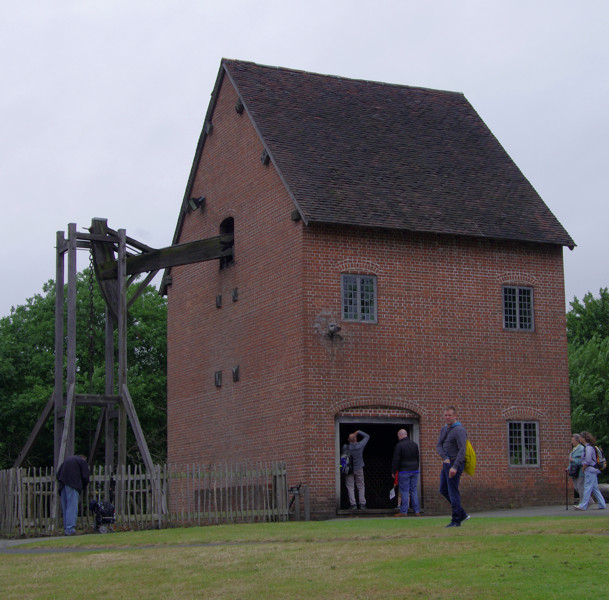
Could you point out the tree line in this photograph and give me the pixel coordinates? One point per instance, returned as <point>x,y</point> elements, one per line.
<point>588,344</point>
<point>27,371</point>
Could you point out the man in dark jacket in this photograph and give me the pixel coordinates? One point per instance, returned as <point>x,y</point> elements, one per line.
<point>406,464</point>
<point>73,477</point>
<point>451,447</point>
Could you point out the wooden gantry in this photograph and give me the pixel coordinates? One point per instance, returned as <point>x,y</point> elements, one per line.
<point>118,260</point>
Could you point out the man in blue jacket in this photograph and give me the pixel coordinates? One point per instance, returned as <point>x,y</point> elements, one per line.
<point>356,478</point>
<point>451,447</point>
<point>73,477</point>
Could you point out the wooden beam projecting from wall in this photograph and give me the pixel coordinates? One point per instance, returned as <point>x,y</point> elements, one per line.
<point>172,256</point>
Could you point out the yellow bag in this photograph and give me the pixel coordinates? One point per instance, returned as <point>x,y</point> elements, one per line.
<point>470,458</point>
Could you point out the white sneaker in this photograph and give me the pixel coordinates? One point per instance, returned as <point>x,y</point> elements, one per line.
<point>578,507</point>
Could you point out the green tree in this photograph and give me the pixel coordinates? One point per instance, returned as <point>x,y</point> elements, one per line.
<point>588,335</point>
<point>26,375</point>
<point>589,318</point>
<point>589,384</point>
<point>27,340</point>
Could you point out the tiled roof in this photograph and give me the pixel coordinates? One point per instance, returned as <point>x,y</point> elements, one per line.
<point>377,155</point>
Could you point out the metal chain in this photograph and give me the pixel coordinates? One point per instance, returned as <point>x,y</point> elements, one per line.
<point>91,319</point>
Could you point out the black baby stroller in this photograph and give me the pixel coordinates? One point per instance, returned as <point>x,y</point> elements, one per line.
<point>105,515</point>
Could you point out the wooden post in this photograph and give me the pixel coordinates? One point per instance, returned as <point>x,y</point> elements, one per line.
<point>122,344</point>
<point>307,503</point>
<point>110,419</point>
<point>297,505</point>
<point>58,389</point>
<point>69,417</point>
<point>59,373</point>
<point>122,363</point>
<point>137,429</point>
<point>71,341</point>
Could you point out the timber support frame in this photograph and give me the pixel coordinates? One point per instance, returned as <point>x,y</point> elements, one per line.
<point>118,260</point>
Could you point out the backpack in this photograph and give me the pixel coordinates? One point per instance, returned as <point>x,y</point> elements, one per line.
<point>346,461</point>
<point>470,458</point>
<point>601,461</point>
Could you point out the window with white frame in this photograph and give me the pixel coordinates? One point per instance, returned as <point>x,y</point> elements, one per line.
<point>359,298</point>
<point>523,443</point>
<point>517,308</point>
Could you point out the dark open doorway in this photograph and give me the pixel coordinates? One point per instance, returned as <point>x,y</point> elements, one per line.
<point>377,458</point>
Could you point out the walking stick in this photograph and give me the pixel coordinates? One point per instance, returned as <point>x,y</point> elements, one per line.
<point>566,491</point>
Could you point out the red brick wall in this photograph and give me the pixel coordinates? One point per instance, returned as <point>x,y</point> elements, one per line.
<point>439,338</point>
<point>259,416</point>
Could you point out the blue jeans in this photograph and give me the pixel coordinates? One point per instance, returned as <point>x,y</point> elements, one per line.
<point>69,508</point>
<point>407,480</point>
<point>449,488</point>
<point>591,487</point>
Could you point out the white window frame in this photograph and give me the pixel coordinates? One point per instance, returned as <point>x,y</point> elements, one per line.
<point>364,308</point>
<point>523,443</point>
<point>518,311</point>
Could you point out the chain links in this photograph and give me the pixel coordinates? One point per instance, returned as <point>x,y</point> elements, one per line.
<point>91,319</point>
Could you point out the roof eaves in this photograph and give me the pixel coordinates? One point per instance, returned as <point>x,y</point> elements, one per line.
<point>567,242</point>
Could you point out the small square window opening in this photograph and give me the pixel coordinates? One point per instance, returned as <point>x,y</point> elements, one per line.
<point>518,308</point>
<point>523,443</point>
<point>359,298</point>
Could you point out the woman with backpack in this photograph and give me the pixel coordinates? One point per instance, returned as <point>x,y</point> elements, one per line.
<point>589,464</point>
<point>575,465</point>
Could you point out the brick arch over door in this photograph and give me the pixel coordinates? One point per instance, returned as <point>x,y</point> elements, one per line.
<point>370,407</point>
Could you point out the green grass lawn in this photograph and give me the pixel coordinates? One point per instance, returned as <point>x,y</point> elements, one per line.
<point>503,558</point>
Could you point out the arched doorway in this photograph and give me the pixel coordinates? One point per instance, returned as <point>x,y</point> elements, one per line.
<point>377,458</point>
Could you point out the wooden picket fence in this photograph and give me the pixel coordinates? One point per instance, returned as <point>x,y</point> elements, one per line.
<point>170,496</point>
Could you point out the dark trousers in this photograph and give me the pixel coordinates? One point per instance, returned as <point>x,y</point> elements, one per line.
<point>449,488</point>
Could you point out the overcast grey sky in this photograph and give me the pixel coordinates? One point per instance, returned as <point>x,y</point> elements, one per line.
<point>102,103</point>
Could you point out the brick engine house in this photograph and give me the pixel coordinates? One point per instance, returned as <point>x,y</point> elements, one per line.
<point>389,259</point>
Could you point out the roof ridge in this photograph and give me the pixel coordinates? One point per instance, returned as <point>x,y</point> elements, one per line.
<point>337,77</point>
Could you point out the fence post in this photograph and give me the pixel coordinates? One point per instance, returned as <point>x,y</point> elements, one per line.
<point>307,502</point>
<point>20,501</point>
